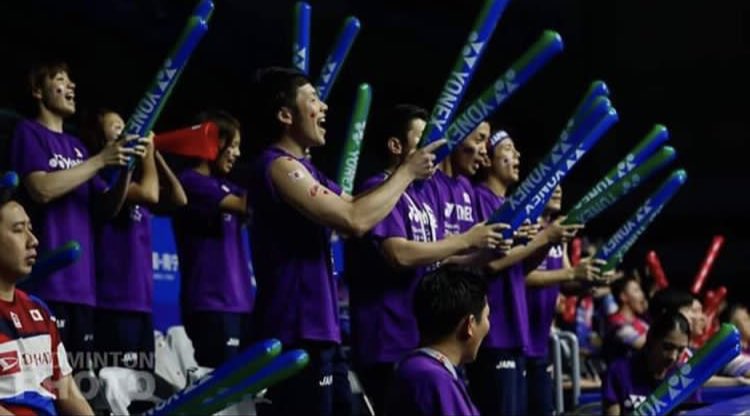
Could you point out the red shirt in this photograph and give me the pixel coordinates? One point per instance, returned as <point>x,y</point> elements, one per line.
<point>32,357</point>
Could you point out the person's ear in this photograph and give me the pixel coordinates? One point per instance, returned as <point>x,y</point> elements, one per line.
<point>467,327</point>
<point>36,93</point>
<point>394,146</point>
<point>285,116</point>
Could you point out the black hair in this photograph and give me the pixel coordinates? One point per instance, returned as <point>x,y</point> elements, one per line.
<point>272,89</point>
<point>43,71</point>
<point>618,287</point>
<point>728,312</point>
<point>396,122</point>
<point>665,323</point>
<point>669,300</point>
<point>92,132</point>
<point>444,298</point>
<point>228,125</point>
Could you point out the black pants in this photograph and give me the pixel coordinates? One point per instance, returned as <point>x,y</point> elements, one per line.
<point>539,380</point>
<point>124,339</point>
<point>217,336</point>
<point>497,382</point>
<point>75,323</point>
<point>321,388</point>
<point>375,380</point>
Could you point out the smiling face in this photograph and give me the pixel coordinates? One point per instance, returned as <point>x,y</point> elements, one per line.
<point>229,155</point>
<point>472,152</point>
<point>506,162</point>
<point>17,243</point>
<point>57,94</point>
<point>306,122</point>
<point>479,326</point>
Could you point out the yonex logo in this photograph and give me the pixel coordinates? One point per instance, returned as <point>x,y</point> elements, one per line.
<point>61,162</point>
<point>448,209</point>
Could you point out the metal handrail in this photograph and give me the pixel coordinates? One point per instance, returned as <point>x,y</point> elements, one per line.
<point>557,365</point>
<point>572,339</point>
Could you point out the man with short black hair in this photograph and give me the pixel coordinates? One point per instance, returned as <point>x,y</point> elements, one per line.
<point>35,376</point>
<point>453,318</point>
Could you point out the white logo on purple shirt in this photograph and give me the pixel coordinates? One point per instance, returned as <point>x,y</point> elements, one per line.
<point>467,199</point>
<point>135,213</point>
<point>465,213</point>
<point>634,401</point>
<point>448,209</point>
<point>78,153</point>
<point>58,161</point>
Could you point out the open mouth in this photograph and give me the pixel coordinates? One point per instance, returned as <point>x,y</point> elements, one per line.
<point>70,97</point>
<point>321,122</point>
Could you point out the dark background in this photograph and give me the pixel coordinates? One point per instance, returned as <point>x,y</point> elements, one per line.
<point>683,64</point>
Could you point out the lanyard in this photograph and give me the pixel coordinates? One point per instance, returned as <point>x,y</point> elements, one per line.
<point>441,358</point>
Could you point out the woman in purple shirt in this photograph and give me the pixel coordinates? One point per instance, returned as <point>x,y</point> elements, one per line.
<point>628,382</point>
<point>123,323</point>
<point>62,190</point>
<point>216,287</point>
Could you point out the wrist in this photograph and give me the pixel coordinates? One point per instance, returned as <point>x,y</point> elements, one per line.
<point>571,273</point>
<point>404,173</point>
<point>97,161</point>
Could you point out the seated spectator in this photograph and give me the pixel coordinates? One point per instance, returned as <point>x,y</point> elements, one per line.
<point>452,316</point>
<point>628,382</point>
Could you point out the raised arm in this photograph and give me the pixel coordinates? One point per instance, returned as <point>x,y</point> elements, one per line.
<point>298,188</point>
<point>44,187</point>
<point>146,189</point>
<point>173,194</point>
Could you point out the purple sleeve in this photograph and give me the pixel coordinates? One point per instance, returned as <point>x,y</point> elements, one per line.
<point>393,225</point>
<point>28,152</point>
<point>204,193</point>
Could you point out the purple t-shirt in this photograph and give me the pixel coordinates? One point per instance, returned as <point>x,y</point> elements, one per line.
<point>124,269</point>
<point>35,148</point>
<point>627,383</point>
<point>423,385</point>
<point>541,302</point>
<point>506,291</point>
<point>454,201</point>
<point>214,268</point>
<point>383,325</point>
<point>297,293</point>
